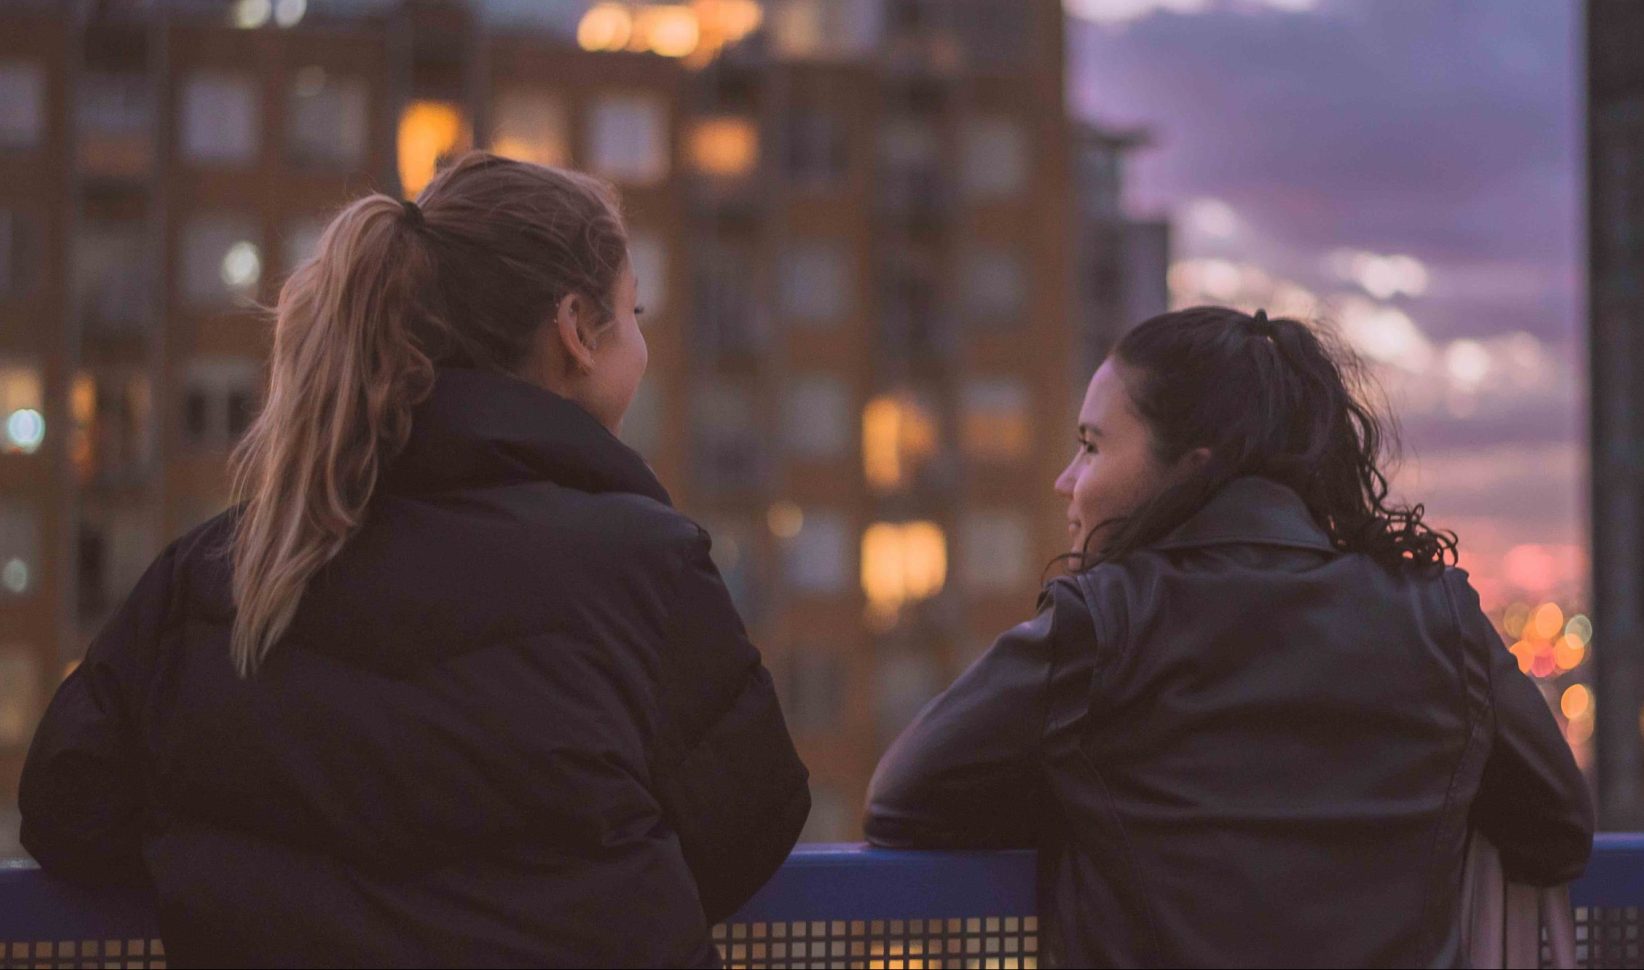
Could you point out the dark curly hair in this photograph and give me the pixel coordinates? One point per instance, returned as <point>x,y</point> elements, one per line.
<point>1276,399</point>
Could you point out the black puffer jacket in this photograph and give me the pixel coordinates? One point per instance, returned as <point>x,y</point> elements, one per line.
<point>1242,747</point>
<point>516,722</point>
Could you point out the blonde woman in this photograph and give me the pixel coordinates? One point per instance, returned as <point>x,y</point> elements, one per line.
<point>452,683</point>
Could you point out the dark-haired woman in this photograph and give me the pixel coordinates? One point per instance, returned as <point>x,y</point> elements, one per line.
<point>1256,724</point>
<point>453,684</point>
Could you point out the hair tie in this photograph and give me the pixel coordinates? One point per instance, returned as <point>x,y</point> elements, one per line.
<point>413,212</point>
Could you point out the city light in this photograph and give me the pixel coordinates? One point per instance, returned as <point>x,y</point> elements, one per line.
<point>242,265</point>
<point>15,576</point>
<point>785,519</point>
<point>670,30</point>
<point>25,429</point>
<point>1577,702</point>
<point>726,147</point>
<point>605,27</point>
<point>898,435</point>
<point>692,32</point>
<point>1383,277</point>
<point>250,14</point>
<point>1580,628</point>
<point>430,131</point>
<point>1467,362</point>
<point>288,12</point>
<point>1547,621</point>
<point>902,562</point>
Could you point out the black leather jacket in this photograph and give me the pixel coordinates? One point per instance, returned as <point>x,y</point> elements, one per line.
<point>1244,747</point>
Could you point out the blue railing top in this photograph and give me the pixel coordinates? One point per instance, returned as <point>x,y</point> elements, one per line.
<point>819,881</point>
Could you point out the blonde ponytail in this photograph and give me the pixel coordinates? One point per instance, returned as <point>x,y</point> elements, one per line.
<point>466,279</point>
<point>343,379</point>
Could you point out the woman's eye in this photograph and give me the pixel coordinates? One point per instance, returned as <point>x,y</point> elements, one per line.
<point>1086,447</point>
<point>639,311</point>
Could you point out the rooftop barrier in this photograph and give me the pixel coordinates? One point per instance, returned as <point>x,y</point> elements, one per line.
<point>829,906</point>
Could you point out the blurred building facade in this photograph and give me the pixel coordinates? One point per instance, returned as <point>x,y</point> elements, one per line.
<point>1615,127</point>
<point>877,257</point>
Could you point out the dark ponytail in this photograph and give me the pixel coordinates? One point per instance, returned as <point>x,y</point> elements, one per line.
<point>1271,398</point>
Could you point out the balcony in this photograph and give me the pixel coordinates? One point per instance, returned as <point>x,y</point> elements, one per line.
<point>829,906</point>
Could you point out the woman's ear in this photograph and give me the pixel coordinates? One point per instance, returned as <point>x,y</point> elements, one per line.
<point>571,323</point>
<point>1194,460</point>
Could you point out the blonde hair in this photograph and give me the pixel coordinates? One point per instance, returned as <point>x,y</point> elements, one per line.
<point>465,277</point>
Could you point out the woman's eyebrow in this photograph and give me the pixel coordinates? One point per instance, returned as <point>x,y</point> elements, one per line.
<point>1090,429</point>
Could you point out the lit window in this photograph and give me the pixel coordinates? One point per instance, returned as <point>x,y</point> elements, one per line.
<point>816,417</point>
<point>814,689</point>
<point>21,409</point>
<point>670,30</point>
<point>648,258</point>
<point>113,425</point>
<point>994,546</point>
<point>994,287</point>
<point>993,158</point>
<point>328,120</point>
<point>817,558</point>
<point>220,120</point>
<point>19,550</point>
<point>115,113</point>
<point>221,260</point>
<point>19,254</point>
<point>899,436</point>
<point>431,134</point>
<point>300,241</point>
<point>728,451</point>
<point>531,127</point>
<point>628,138</point>
<point>815,283</point>
<point>724,147</point>
<point>905,682</point>
<point>902,563</point>
<point>22,104</point>
<point>219,400</point>
<point>20,692</point>
<point>642,424</point>
<point>995,419</point>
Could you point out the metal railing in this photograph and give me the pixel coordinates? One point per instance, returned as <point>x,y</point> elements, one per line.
<point>829,906</point>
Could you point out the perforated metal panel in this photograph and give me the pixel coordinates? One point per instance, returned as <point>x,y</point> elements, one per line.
<point>83,953</point>
<point>894,944</point>
<point>1607,937</point>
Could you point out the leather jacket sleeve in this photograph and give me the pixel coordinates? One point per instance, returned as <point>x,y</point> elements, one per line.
<point>965,773</point>
<point>1533,802</point>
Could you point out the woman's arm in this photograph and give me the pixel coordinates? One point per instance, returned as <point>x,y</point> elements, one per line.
<point>965,773</point>
<point>726,770</point>
<point>81,793</point>
<point>1532,802</point>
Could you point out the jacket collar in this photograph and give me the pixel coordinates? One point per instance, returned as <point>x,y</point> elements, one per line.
<point>479,428</point>
<point>1250,511</point>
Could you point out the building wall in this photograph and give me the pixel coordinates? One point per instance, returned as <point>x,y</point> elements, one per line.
<point>861,337</point>
<point>1615,34</point>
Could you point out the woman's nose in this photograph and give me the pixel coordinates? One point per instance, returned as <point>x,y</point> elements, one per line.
<point>1064,483</point>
